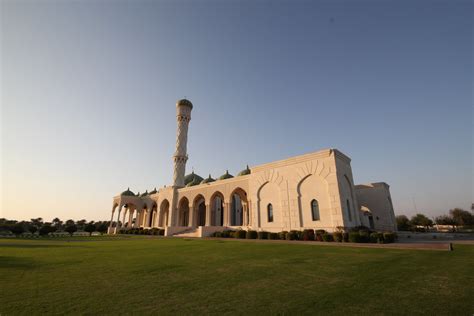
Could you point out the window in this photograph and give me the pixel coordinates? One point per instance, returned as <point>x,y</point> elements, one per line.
<point>270,213</point>
<point>315,210</point>
<point>349,211</point>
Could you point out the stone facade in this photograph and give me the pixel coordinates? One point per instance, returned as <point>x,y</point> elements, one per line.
<point>314,190</point>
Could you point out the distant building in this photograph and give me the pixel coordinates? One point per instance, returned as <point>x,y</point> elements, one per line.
<point>314,190</point>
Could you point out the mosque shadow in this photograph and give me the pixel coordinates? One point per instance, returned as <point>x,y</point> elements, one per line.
<point>17,263</point>
<point>30,246</point>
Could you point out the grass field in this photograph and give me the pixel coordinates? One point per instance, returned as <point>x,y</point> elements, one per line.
<point>175,276</point>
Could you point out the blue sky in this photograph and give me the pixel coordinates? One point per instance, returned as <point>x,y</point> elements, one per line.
<point>89,91</point>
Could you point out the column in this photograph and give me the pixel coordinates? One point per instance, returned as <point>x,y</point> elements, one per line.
<point>118,216</point>
<point>191,216</point>
<point>112,217</point>
<point>226,211</point>
<point>245,218</point>
<point>130,217</point>
<point>208,215</point>
<point>123,217</point>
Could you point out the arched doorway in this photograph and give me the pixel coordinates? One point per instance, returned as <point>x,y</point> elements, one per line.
<point>239,214</point>
<point>200,211</point>
<point>164,213</point>
<point>217,209</point>
<point>152,218</point>
<point>183,211</point>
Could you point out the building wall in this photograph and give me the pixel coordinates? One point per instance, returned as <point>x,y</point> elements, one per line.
<point>375,197</point>
<point>290,186</point>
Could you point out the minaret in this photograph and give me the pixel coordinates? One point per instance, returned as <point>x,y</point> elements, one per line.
<point>183,116</point>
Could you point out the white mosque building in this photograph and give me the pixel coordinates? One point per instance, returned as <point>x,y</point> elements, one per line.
<point>314,190</point>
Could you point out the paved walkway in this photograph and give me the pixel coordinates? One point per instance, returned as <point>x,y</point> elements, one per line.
<point>443,246</point>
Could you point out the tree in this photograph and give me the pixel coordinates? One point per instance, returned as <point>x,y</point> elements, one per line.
<point>80,224</point>
<point>46,229</point>
<point>403,223</point>
<point>57,223</point>
<point>90,228</point>
<point>462,217</point>
<point>70,222</point>
<point>32,229</point>
<point>71,229</point>
<point>18,229</point>
<point>421,220</point>
<point>446,220</point>
<point>102,228</point>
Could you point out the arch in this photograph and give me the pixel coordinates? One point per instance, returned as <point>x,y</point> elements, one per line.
<point>164,213</point>
<point>199,210</point>
<point>348,195</point>
<point>152,217</point>
<point>217,209</point>
<point>314,188</point>
<point>183,212</point>
<point>238,207</point>
<point>269,193</point>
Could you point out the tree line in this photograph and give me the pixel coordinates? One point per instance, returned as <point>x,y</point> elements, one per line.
<point>456,218</point>
<point>42,228</point>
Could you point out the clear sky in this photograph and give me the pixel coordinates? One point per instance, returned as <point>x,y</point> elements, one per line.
<point>89,91</point>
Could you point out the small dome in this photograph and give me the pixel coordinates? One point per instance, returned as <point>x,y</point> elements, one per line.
<point>145,194</point>
<point>208,180</point>
<point>244,172</point>
<point>226,175</point>
<point>127,193</point>
<point>195,181</point>
<point>153,192</point>
<point>184,102</point>
<point>190,177</point>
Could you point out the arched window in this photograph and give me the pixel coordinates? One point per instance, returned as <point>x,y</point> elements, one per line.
<point>315,210</point>
<point>349,213</point>
<point>270,213</point>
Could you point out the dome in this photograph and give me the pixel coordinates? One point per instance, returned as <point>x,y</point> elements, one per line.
<point>190,177</point>
<point>184,102</point>
<point>153,192</point>
<point>195,181</point>
<point>208,180</point>
<point>127,193</point>
<point>226,175</point>
<point>244,172</point>
<point>145,194</point>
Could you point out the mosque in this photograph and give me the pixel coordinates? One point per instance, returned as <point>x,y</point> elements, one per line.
<point>314,190</point>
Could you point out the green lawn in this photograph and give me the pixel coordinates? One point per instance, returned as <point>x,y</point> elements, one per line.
<point>174,276</point>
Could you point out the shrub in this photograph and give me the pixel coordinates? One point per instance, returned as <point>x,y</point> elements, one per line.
<point>262,235</point>
<point>345,237</point>
<point>389,237</point>
<point>327,237</point>
<point>376,237</point>
<point>308,234</point>
<point>282,235</point>
<point>226,234</point>
<point>292,235</point>
<point>161,232</point>
<point>354,237</point>
<point>241,234</point>
<point>364,236</point>
<point>217,234</point>
<point>251,234</point>
<point>319,234</point>
<point>273,236</point>
<point>337,236</point>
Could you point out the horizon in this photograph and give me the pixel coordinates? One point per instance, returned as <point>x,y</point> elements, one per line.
<point>88,92</point>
